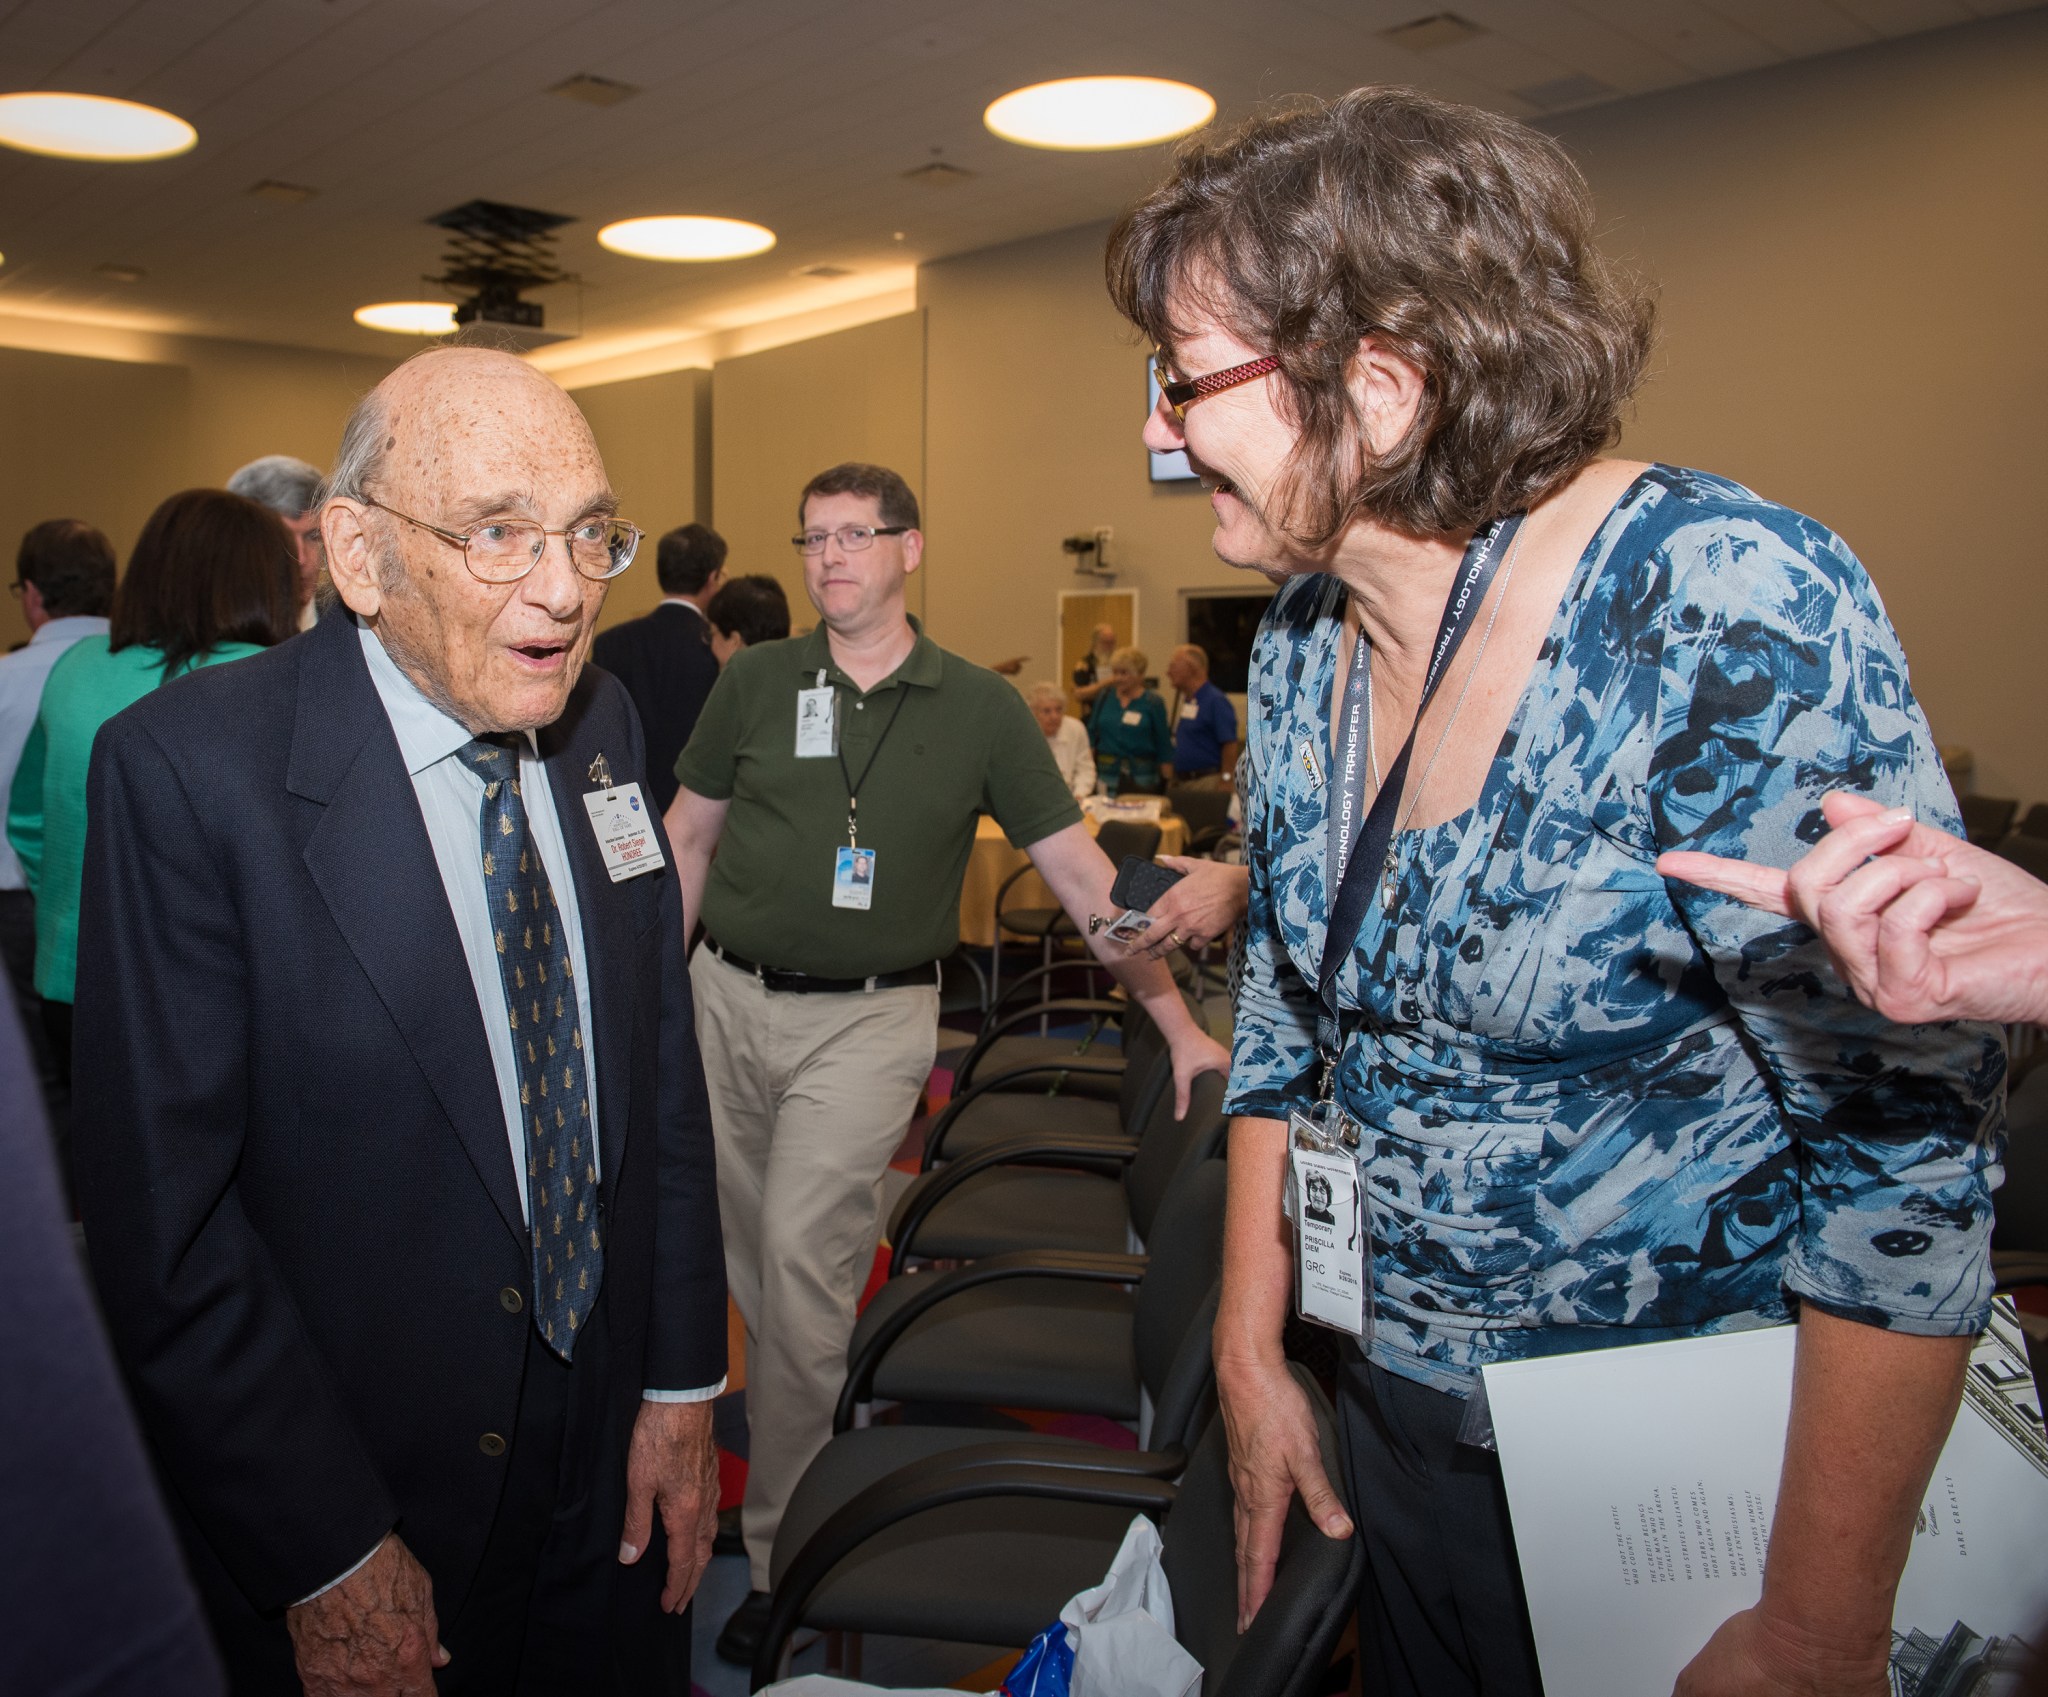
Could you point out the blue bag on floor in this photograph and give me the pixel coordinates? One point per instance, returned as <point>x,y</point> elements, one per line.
<point>1045,1669</point>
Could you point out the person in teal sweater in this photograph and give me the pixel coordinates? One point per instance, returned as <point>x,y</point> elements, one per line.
<point>1128,728</point>
<point>212,578</point>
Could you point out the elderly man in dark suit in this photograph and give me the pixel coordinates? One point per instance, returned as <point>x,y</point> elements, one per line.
<point>664,658</point>
<point>393,1148</point>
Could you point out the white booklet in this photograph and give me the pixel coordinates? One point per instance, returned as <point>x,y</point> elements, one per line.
<point>1641,1482</point>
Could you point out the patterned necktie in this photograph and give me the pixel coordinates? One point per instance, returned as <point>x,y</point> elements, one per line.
<point>547,1046</point>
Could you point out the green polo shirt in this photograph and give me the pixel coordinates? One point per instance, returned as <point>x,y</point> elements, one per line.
<point>963,743</point>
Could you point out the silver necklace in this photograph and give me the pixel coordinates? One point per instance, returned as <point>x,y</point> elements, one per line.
<point>1507,574</point>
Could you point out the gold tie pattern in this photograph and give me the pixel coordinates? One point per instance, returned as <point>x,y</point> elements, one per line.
<point>547,1045</point>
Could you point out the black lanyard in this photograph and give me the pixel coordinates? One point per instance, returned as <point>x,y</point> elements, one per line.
<point>839,748</point>
<point>1357,864</point>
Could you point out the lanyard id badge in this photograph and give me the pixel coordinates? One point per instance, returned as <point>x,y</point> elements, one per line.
<point>853,867</point>
<point>1332,1231</point>
<point>622,824</point>
<point>817,721</point>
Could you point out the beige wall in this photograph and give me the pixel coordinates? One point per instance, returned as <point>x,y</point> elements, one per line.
<point>655,436</point>
<point>1850,252</point>
<point>782,416</point>
<point>105,440</point>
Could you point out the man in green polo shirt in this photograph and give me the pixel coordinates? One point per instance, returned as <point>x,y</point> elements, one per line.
<point>839,776</point>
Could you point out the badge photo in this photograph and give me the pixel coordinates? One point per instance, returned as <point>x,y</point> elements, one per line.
<point>853,877</point>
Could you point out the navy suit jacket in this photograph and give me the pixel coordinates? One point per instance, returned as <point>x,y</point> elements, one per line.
<point>294,1170</point>
<point>665,661</point>
<point>93,1600</point>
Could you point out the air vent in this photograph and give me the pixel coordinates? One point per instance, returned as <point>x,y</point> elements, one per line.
<point>937,174</point>
<point>284,194</point>
<point>1428,35</point>
<point>1578,89</point>
<point>594,90</point>
<point>120,273</point>
<point>822,273</point>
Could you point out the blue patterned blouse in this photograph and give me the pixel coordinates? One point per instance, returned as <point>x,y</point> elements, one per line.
<point>1602,1108</point>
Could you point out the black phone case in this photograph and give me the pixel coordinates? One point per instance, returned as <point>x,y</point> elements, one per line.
<point>1140,883</point>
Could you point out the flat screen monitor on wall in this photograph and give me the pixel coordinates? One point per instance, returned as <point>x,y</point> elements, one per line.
<point>1222,623</point>
<point>1166,468</point>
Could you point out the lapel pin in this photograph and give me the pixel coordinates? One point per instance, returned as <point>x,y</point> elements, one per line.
<point>601,773</point>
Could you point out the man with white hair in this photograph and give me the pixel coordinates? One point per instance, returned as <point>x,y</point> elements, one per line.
<point>290,488</point>
<point>397,1167</point>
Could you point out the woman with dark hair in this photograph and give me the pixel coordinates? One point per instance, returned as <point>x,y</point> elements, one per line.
<point>746,611</point>
<point>213,577</point>
<point>1587,1106</point>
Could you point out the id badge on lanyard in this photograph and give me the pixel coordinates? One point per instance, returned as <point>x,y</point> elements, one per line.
<point>1325,1198</point>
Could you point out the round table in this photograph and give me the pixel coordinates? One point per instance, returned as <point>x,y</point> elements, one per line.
<point>993,860</point>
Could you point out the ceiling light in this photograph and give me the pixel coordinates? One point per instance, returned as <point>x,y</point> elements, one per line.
<point>1438,30</point>
<point>90,126</point>
<point>1089,114</point>
<point>120,273</point>
<point>409,318</point>
<point>594,90</point>
<point>285,194</point>
<point>686,238</point>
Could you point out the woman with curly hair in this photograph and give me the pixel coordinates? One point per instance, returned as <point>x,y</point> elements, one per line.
<point>1586,1106</point>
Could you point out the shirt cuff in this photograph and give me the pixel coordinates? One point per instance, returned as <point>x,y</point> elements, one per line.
<point>703,1395</point>
<point>339,1577</point>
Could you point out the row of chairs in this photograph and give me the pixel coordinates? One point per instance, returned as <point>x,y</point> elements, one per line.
<point>1059,1254</point>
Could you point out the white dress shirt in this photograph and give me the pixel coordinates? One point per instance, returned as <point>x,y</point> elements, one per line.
<point>1075,759</point>
<point>22,676</point>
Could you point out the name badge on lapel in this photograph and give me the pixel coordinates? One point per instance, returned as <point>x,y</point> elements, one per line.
<point>624,827</point>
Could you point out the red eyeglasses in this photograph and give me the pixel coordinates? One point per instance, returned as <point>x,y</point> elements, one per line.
<point>1183,392</point>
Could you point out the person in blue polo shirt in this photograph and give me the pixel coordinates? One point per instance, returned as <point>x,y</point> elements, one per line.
<point>1204,722</point>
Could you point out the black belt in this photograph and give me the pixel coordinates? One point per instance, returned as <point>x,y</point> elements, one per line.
<point>780,978</point>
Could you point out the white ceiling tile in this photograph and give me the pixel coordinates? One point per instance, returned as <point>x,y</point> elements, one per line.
<point>1905,17</point>
<point>1796,27</point>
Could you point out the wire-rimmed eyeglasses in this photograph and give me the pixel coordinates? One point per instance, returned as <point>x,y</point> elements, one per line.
<point>505,550</point>
<point>852,537</point>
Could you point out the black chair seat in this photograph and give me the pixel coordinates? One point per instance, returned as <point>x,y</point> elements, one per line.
<point>998,1118</point>
<point>1020,1343</point>
<point>1020,1208</point>
<point>974,1573</point>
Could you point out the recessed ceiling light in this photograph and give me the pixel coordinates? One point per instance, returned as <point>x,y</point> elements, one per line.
<point>120,273</point>
<point>1091,114</point>
<point>594,90</point>
<point>285,194</point>
<point>90,126</point>
<point>409,318</point>
<point>689,238</point>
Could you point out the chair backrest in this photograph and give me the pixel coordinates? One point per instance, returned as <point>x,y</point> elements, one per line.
<point>2029,854</point>
<point>1146,1061</point>
<point>2022,1225</point>
<point>1204,805</point>
<point>2035,821</point>
<point>1166,1144</point>
<point>1120,837</point>
<point>1175,1305</point>
<point>1986,818</point>
<point>1288,1647</point>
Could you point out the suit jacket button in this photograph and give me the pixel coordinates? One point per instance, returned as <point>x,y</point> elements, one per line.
<point>491,1444</point>
<point>511,1300</point>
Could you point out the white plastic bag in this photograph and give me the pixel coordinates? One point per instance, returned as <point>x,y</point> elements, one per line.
<point>1122,1629</point>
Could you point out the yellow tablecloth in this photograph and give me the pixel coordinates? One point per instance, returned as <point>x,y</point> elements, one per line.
<point>993,860</point>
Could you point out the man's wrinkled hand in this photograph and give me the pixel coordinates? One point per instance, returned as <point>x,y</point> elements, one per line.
<point>372,1635</point>
<point>672,1466</point>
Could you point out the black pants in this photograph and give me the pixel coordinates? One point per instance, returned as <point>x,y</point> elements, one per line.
<point>550,1613</point>
<point>1441,1614</point>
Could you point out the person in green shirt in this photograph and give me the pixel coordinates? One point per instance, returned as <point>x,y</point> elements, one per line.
<point>213,577</point>
<point>1128,729</point>
<point>839,777</point>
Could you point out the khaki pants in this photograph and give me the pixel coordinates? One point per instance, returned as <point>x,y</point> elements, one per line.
<point>810,1096</point>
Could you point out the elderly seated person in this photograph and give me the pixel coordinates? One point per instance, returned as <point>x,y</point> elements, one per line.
<point>1067,738</point>
<point>1128,728</point>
